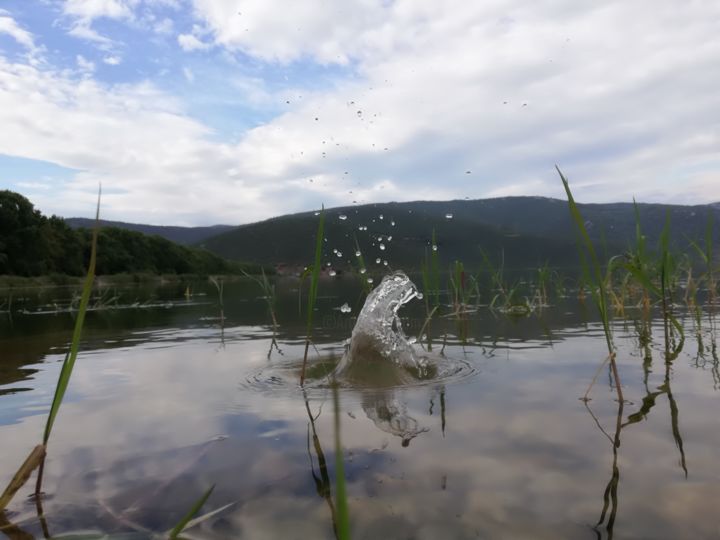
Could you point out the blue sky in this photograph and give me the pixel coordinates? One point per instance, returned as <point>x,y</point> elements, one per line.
<point>207,111</point>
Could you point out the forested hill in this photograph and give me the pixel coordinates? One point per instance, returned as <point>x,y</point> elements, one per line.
<point>33,245</point>
<point>179,235</point>
<point>524,231</point>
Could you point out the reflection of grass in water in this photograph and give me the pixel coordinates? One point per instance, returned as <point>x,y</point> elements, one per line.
<point>343,517</point>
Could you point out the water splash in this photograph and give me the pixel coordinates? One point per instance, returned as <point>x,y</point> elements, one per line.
<point>378,335</point>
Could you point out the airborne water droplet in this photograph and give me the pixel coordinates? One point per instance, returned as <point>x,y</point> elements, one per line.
<point>332,273</point>
<point>382,247</point>
<point>385,263</point>
<point>377,261</point>
<point>434,247</point>
<point>357,253</point>
<point>419,296</point>
<point>448,216</point>
<point>345,308</point>
<point>389,238</point>
<point>343,217</point>
<point>363,270</point>
<point>381,216</point>
<point>369,280</point>
<point>339,253</point>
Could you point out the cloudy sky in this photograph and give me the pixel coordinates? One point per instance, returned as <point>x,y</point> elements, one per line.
<point>230,111</point>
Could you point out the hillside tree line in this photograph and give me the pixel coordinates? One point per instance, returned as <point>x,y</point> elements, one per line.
<point>32,244</point>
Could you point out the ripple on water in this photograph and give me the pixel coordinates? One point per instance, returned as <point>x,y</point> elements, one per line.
<point>283,377</point>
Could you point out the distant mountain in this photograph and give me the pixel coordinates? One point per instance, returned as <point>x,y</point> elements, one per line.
<point>179,235</point>
<point>524,231</point>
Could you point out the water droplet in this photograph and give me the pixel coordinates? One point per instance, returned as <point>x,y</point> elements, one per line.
<point>419,296</point>
<point>317,213</point>
<point>363,270</point>
<point>339,253</point>
<point>326,264</point>
<point>392,223</point>
<point>343,217</point>
<point>389,238</point>
<point>369,280</point>
<point>334,250</point>
<point>448,216</point>
<point>357,253</point>
<point>332,273</point>
<point>434,247</point>
<point>382,247</point>
<point>345,308</point>
<point>377,261</point>
<point>381,216</point>
<point>385,263</point>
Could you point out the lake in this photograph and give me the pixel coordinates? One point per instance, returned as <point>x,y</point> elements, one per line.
<point>169,398</point>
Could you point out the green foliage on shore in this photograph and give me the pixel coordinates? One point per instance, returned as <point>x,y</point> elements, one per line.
<point>35,245</point>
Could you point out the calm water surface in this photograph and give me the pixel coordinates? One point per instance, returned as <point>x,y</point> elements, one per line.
<point>165,402</point>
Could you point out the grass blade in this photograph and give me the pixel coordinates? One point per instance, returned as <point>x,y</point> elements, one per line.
<point>21,476</point>
<point>69,362</point>
<point>187,517</point>
<point>312,294</point>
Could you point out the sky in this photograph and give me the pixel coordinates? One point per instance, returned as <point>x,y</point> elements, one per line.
<point>196,112</point>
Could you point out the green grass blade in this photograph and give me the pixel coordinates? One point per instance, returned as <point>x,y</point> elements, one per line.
<point>315,276</point>
<point>343,519</point>
<point>599,295</point>
<point>71,356</point>
<point>435,269</point>
<point>367,287</point>
<point>187,517</point>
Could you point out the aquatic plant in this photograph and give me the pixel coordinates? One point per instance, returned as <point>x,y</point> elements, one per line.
<point>362,268</point>
<point>36,458</point>
<point>312,293</point>
<point>268,290</point>
<point>593,274</point>
<point>186,519</point>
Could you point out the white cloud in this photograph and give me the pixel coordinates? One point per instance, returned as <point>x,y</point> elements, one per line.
<point>83,30</point>
<point>189,42</point>
<point>9,26</point>
<point>84,65</point>
<point>621,95</point>
<point>93,9</point>
<point>612,93</point>
<point>328,31</point>
<point>112,60</point>
<point>164,27</point>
